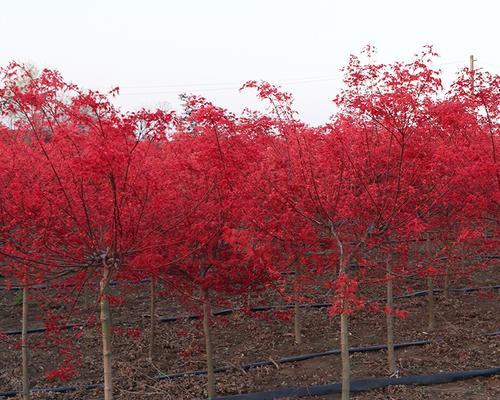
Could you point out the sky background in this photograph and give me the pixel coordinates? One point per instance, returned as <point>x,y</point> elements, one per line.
<point>154,50</point>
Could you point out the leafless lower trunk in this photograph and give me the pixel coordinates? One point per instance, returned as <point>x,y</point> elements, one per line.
<point>391,357</point>
<point>152,319</point>
<point>344,325</point>
<point>447,282</point>
<point>344,350</point>
<point>24,345</point>
<point>208,344</point>
<point>430,303</point>
<point>297,322</point>
<point>106,334</point>
<point>430,292</point>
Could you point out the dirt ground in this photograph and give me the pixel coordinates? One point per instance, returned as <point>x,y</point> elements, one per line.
<point>458,343</point>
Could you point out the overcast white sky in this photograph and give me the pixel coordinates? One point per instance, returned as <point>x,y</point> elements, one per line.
<point>154,50</point>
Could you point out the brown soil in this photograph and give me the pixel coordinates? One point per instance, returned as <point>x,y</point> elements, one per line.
<point>458,344</point>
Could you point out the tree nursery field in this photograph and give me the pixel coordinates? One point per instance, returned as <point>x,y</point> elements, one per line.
<point>201,254</point>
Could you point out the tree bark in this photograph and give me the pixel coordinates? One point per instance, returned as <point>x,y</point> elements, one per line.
<point>447,282</point>
<point>152,319</point>
<point>430,292</point>
<point>344,337</point>
<point>430,303</point>
<point>208,345</point>
<point>344,325</point>
<point>297,322</point>
<point>391,357</point>
<point>106,334</point>
<point>24,345</point>
<point>344,350</point>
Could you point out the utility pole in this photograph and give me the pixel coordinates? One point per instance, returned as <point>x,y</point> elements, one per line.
<point>471,70</point>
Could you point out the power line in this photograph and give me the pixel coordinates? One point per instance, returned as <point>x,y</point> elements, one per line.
<point>235,86</point>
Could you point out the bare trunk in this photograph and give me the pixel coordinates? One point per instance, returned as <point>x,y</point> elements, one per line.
<point>208,345</point>
<point>430,291</point>
<point>344,324</point>
<point>391,357</point>
<point>344,350</point>
<point>297,323</point>
<point>152,319</point>
<point>430,303</point>
<point>24,345</point>
<point>106,334</point>
<point>85,300</point>
<point>447,282</point>
<point>344,339</point>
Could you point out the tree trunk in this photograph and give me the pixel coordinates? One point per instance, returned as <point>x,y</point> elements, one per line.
<point>344,337</point>
<point>106,334</point>
<point>344,350</point>
<point>344,325</point>
<point>85,300</point>
<point>391,357</point>
<point>152,319</point>
<point>447,282</point>
<point>297,322</point>
<point>24,345</point>
<point>430,303</point>
<point>208,345</point>
<point>430,291</point>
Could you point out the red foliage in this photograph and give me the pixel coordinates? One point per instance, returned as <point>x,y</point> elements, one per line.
<point>61,374</point>
<point>346,299</point>
<point>216,205</point>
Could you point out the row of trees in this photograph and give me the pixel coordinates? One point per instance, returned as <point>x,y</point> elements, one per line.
<point>402,182</point>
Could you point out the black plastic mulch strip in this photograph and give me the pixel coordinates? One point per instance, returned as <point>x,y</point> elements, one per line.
<point>227,311</point>
<point>290,359</point>
<point>362,385</point>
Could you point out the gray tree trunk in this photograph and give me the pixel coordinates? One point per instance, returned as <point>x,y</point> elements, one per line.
<point>106,334</point>
<point>152,319</point>
<point>208,345</point>
<point>391,356</point>
<point>24,345</point>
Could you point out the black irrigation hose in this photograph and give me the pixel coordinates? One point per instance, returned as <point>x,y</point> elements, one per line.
<point>284,273</point>
<point>362,385</point>
<point>59,389</point>
<point>454,290</point>
<point>40,330</point>
<point>15,288</point>
<point>298,358</point>
<point>303,357</point>
<point>69,285</point>
<point>357,385</point>
<point>227,311</point>
<point>283,360</point>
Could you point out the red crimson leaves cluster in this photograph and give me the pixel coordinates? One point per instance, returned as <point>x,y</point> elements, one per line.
<point>214,203</point>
